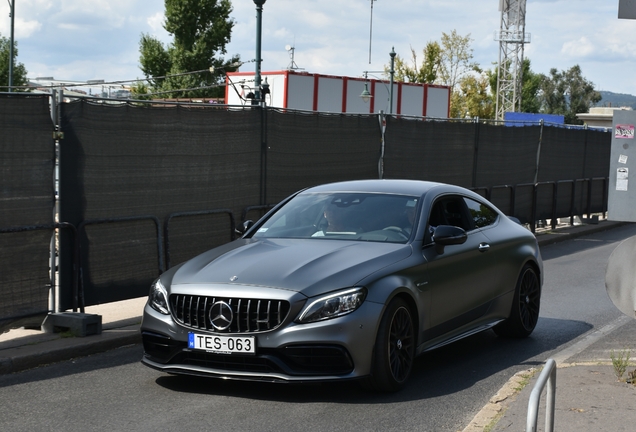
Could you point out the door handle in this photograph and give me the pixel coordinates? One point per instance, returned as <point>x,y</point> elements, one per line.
<point>483,247</point>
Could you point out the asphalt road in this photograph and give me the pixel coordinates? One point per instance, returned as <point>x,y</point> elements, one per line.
<point>113,391</point>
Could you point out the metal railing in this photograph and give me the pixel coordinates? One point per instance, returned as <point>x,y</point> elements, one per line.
<point>505,198</point>
<point>563,198</point>
<point>172,216</point>
<point>548,376</point>
<point>53,262</point>
<point>83,255</point>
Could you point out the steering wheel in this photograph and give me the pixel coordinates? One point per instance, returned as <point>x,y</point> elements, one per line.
<point>398,230</point>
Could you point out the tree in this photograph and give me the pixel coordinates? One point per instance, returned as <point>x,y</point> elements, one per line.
<point>19,71</point>
<point>473,97</point>
<point>553,90</point>
<point>445,63</point>
<point>201,29</point>
<point>426,72</point>
<point>141,91</point>
<point>154,59</point>
<point>567,93</point>
<point>456,56</point>
<point>530,86</point>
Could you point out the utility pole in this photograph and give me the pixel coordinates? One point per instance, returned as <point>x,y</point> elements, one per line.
<point>392,73</point>
<point>12,13</point>
<point>371,30</point>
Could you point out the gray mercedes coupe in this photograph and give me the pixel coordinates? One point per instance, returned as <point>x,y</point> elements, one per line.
<point>348,280</point>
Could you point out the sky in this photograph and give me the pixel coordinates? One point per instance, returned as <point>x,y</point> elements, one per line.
<point>81,40</point>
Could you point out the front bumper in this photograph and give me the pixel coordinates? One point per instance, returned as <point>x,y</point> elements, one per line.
<point>335,349</point>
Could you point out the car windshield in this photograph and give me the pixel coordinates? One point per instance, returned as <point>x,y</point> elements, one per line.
<point>345,216</point>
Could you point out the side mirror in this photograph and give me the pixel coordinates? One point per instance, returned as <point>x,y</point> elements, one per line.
<point>242,229</point>
<point>446,235</point>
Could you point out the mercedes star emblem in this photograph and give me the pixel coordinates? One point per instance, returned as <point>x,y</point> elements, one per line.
<point>221,315</point>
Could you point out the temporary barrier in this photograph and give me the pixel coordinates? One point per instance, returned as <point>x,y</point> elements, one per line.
<point>177,164</point>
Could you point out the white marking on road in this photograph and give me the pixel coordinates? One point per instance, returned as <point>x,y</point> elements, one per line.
<point>589,339</point>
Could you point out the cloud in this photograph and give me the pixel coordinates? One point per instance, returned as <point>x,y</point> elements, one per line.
<point>155,25</point>
<point>24,28</point>
<point>155,22</point>
<point>578,49</point>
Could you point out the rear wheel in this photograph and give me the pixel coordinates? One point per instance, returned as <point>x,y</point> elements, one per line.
<point>394,350</point>
<point>525,306</point>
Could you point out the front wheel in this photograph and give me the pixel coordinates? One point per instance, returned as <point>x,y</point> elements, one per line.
<point>394,350</point>
<point>524,313</point>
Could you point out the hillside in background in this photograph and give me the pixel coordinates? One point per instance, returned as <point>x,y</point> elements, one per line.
<point>616,100</point>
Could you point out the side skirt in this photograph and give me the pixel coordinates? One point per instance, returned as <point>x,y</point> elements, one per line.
<point>461,336</point>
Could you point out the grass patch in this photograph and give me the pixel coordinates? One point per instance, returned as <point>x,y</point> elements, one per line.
<point>525,380</point>
<point>620,361</point>
<point>490,426</point>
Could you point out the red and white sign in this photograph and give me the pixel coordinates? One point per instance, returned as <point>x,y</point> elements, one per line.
<point>624,131</point>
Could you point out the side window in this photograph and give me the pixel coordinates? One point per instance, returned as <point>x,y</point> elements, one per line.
<point>481,214</point>
<point>450,210</point>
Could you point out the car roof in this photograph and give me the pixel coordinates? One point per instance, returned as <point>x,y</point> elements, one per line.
<point>407,187</point>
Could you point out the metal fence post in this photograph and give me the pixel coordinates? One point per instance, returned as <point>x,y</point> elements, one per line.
<point>475,151</point>
<point>538,164</point>
<point>548,375</point>
<point>382,119</point>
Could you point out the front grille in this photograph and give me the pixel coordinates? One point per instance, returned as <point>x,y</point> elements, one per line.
<point>248,315</point>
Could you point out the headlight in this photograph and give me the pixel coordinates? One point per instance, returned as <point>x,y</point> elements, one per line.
<point>333,305</point>
<point>158,298</point>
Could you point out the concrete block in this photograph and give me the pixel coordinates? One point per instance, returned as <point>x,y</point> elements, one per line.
<point>79,324</point>
<point>592,220</point>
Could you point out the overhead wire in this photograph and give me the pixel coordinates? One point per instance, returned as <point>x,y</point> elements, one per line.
<point>211,69</point>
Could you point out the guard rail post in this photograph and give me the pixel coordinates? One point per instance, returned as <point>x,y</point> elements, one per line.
<point>548,375</point>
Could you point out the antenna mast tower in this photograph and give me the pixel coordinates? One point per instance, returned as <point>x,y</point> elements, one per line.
<point>511,37</point>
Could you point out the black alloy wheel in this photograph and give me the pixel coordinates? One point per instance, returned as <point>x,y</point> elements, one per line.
<point>394,352</point>
<point>529,300</point>
<point>524,313</point>
<point>401,344</point>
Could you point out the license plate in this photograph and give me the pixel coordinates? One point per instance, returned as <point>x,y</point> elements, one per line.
<point>222,344</point>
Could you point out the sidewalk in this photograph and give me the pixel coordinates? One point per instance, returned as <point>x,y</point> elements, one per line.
<point>22,349</point>
<point>589,397</point>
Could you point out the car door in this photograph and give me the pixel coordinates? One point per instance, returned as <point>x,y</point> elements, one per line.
<point>461,278</point>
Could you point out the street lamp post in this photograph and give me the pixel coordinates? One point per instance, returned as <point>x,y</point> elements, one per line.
<point>257,76</point>
<point>366,95</point>
<point>12,5</point>
<point>392,72</point>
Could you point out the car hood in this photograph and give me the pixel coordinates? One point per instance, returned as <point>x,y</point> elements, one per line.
<point>308,266</point>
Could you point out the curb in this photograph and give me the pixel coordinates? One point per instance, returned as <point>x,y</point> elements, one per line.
<point>62,349</point>
<point>496,407</point>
